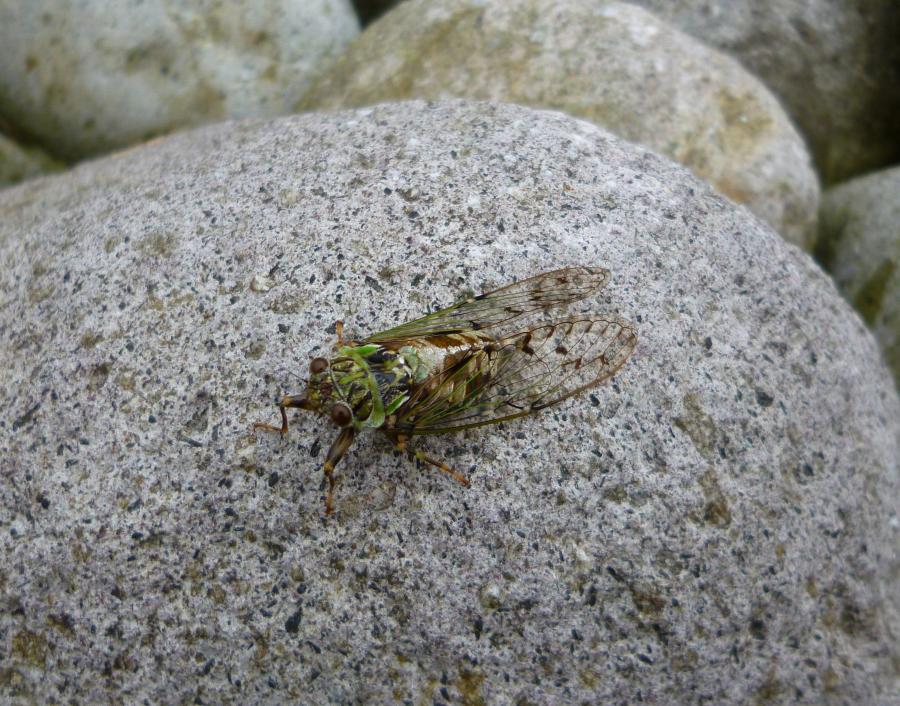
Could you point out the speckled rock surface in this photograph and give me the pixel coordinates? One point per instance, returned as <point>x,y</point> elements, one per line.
<point>18,162</point>
<point>835,64</point>
<point>84,78</point>
<point>717,525</point>
<point>609,62</point>
<point>860,245</point>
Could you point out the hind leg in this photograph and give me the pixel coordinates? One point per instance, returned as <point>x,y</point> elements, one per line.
<point>400,443</point>
<point>453,473</point>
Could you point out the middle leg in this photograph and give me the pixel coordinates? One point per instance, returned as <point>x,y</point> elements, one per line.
<point>335,453</point>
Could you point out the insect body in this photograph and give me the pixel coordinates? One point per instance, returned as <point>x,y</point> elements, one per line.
<point>484,360</point>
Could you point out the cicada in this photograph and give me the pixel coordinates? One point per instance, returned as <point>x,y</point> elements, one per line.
<point>486,359</point>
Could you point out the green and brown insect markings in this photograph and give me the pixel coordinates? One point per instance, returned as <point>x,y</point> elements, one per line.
<point>484,360</point>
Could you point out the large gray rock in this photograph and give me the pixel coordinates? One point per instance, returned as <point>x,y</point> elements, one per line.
<point>835,64</point>
<point>718,524</point>
<point>18,162</point>
<point>86,77</point>
<point>860,245</point>
<point>609,62</point>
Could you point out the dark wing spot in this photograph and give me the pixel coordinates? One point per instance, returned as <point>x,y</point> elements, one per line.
<point>561,349</point>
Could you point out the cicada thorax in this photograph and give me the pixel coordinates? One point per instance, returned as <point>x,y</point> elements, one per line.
<point>371,380</point>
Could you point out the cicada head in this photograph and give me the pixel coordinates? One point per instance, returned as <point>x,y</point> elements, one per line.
<point>321,396</point>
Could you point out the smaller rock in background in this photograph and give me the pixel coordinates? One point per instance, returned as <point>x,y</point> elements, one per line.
<point>611,63</point>
<point>89,77</point>
<point>860,246</point>
<point>834,63</point>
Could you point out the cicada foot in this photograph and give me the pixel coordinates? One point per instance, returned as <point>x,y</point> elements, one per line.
<point>329,494</point>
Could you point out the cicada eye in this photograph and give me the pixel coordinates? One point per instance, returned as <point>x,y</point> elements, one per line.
<point>341,414</point>
<point>318,365</point>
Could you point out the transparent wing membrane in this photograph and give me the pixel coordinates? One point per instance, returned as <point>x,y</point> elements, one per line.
<point>501,306</point>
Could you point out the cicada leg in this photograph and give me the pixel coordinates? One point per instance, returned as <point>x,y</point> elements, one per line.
<point>400,442</point>
<point>335,454</point>
<point>286,401</point>
<point>453,473</point>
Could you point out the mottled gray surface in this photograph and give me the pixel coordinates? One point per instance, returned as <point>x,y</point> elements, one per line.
<point>85,77</point>
<point>611,63</point>
<point>717,525</point>
<point>860,245</point>
<point>18,162</point>
<point>835,64</point>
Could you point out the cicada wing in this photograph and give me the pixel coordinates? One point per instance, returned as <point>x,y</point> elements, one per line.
<point>519,374</point>
<point>501,306</point>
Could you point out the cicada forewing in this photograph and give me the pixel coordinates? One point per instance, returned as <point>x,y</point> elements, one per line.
<point>500,308</point>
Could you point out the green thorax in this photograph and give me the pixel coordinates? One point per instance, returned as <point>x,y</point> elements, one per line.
<point>373,381</point>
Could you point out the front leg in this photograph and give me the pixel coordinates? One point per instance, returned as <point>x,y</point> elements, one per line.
<point>335,453</point>
<point>286,401</point>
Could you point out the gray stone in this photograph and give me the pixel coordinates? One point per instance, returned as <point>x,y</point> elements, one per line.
<point>860,246</point>
<point>18,162</point>
<point>609,62</point>
<point>835,64</point>
<point>717,525</point>
<point>84,78</point>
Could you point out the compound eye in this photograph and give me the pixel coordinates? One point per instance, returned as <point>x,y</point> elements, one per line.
<point>318,365</point>
<point>341,415</point>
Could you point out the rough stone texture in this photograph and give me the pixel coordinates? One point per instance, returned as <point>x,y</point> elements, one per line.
<point>835,64</point>
<point>860,246</point>
<point>611,63</point>
<point>18,162</point>
<point>84,78</point>
<point>718,525</point>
